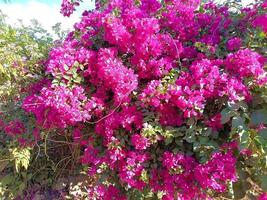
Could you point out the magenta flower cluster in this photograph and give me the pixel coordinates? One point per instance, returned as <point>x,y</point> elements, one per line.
<point>14,128</point>
<point>59,106</point>
<point>128,60</point>
<point>68,7</point>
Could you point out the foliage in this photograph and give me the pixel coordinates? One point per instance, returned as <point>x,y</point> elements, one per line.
<point>21,52</point>
<point>156,100</point>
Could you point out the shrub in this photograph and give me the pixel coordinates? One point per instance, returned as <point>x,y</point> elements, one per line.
<point>22,51</point>
<point>164,100</point>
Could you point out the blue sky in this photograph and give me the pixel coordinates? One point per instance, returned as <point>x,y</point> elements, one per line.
<point>50,2</point>
<point>47,12</point>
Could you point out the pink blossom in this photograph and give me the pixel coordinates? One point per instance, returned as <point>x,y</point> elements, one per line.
<point>260,21</point>
<point>234,44</point>
<point>215,122</point>
<point>14,128</point>
<point>263,196</point>
<point>140,142</point>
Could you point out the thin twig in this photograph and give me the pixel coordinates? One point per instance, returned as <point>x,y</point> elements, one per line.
<point>39,150</point>
<point>60,141</point>
<point>8,159</point>
<point>62,161</point>
<point>115,109</point>
<point>38,170</point>
<point>177,51</point>
<point>64,168</point>
<point>45,146</point>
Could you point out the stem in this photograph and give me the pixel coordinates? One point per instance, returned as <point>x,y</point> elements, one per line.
<point>115,109</point>
<point>64,142</point>
<point>7,159</point>
<point>45,146</point>
<point>231,190</point>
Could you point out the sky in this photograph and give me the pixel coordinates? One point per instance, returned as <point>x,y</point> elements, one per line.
<point>47,12</point>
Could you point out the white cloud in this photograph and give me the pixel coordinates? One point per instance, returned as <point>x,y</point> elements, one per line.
<point>47,15</point>
<point>244,2</point>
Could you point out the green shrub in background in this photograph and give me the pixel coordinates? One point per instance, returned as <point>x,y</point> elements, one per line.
<point>22,51</point>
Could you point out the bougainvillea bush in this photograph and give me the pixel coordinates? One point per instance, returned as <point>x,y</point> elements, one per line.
<point>162,99</point>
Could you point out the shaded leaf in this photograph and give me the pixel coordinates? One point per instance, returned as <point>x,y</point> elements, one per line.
<point>259,117</point>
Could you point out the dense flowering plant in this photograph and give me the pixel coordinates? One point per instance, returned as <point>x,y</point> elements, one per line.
<point>165,99</point>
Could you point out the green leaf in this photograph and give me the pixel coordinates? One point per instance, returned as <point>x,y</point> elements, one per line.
<point>168,141</point>
<point>22,186</point>
<point>259,117</point>
<point>190,138</point>
<point>239,190</point>
<point>264,182</point>
<point>238,123</point>
<point>226,115</point>
<point>3,165</point>
<point>66,67</point>
<point>262,139</point>
<point>21,157</point>
<point>203,140</point>
<point>244,139</point>
<point>6,180</point>
<point>196,146</point>
<point>78,79</point>
<point>179,141</point>
<point>207,132</point>
<point>263,134</point>
<point>67,77</point>
<point>261,35</point>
